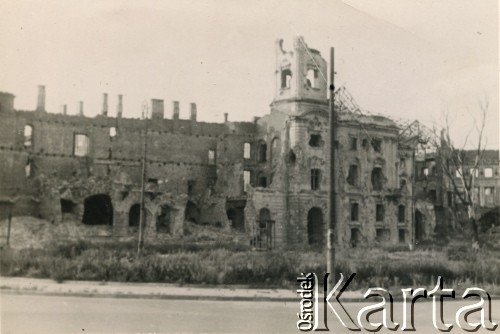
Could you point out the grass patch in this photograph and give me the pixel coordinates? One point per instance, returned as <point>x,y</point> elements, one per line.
<point>229,263</point>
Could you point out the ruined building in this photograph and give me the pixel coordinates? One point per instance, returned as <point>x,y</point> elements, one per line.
<point>267,178</point>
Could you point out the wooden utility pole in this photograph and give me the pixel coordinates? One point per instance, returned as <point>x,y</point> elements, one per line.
<point>332,204</point>
<point>142,214</point>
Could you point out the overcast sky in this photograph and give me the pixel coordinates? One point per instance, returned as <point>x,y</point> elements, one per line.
<point>409,59</point>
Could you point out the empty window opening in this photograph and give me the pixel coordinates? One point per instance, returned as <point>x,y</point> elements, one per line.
<point>315,140</point>
<point>377,145</point>
<point>236,217</point>
<point>488,191</point>
<point>262,181</point>
<point>353,143</point>
<point>352,177</point>
<point>315,227</point>
<point>401,214</point>
<point>419,226</point>
<point>163,221</point>
<point>192,213</point>
<point>425,171</point>
<point>312,78</point>
<point>246,150</point>
<point>402,183</point>
<point>191,187</point>
<point>67,207</point>
<point>286,78</point>
<point>28,136</point>
<point>354,212</point>
<point>211,157</point>
<point>247,176</point>
<point>134,215</point>
<point>377,179</point>
<point>458,172</point>
<point>402,236</point>
<point>488,172</point>
<point>98,210</point>
<point>379,213</point>
<point>262,152</point>
<point>355,237</point>
<point>81,145</point>
<point>315,179</point>
<point>383,235</point>
<point>112,132</point>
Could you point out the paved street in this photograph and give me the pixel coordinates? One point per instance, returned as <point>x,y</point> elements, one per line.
<point>51,314</point>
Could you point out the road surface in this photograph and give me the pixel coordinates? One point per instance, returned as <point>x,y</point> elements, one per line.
<point>62,314</point>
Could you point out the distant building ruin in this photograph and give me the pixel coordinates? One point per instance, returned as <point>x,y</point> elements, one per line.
<point>267,178</point>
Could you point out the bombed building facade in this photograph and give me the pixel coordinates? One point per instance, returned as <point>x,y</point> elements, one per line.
<point>266,179</point>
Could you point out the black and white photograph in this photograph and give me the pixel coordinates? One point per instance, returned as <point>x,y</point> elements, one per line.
<point>229,166</point>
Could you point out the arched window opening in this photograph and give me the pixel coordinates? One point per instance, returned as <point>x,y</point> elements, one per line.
<point>28,136</point>
<point>312,78</point>
<point>286,78</point>
<point>163,221</point>
<point>315,227</point>
<point>98,210</point>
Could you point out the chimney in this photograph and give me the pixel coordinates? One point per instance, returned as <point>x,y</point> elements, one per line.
<point>193,112</point>
<point>157,109</point>
<point>64,109</point>
<point>176,110</point>
<point>105,104</point>
<point>80,113</point>
<point>40,106</point>
<point>119,107</point>
<point>225,117</point>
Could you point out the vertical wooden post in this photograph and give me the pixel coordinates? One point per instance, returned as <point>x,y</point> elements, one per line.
<point>332,207</point>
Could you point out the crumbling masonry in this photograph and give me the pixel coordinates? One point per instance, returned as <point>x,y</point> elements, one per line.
<point>267,178</point>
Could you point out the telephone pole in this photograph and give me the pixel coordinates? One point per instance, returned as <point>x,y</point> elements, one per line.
<point>332,193</point>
